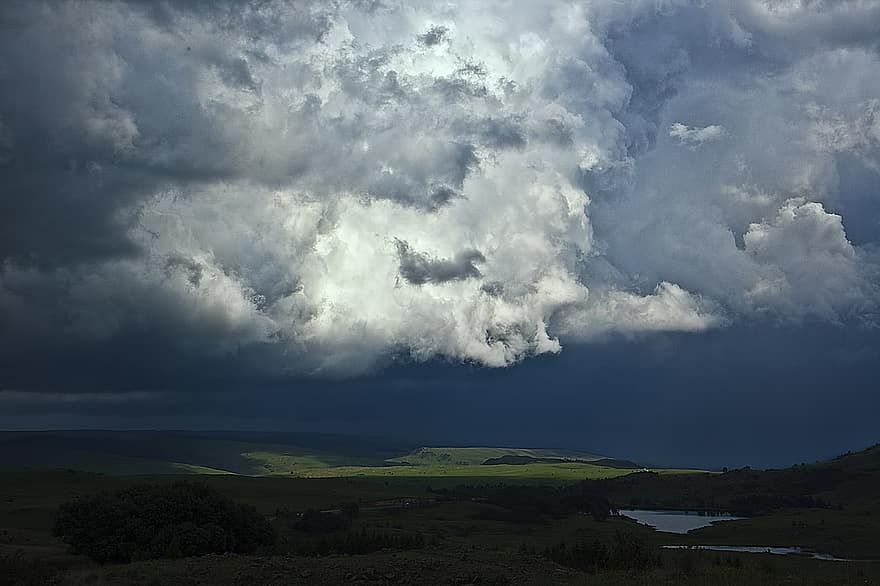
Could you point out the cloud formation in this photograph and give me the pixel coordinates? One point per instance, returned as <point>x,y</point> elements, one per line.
<point>319,187</point>
<point>418,268</point>
<point>694,136</point>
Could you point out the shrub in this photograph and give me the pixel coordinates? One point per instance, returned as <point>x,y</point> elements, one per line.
<point>25,571</point>
<point>353,543</point>
<point>160,520</point>
<point>312,521</point>
<point>626,552</point>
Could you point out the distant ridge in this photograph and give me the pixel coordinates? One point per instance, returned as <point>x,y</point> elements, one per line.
<point>194,452</point>
<point>473,456</point>
<point>522,460</point>
<point>263,454</point>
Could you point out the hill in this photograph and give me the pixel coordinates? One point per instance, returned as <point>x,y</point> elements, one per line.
<point>523,460</point>
<point>176,452</point>
<point>288,454</point>
<point>867,460</point>
<point>470,456</point>
<point>850,479</point>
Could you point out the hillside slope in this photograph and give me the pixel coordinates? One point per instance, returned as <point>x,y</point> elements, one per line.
<point>275,453</point>
<point>175,452</point>
<point>850,480</point>
<point>472,456</point>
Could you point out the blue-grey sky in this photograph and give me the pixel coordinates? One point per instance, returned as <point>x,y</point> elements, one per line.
<point>643,228</point>
<point>739,396</point>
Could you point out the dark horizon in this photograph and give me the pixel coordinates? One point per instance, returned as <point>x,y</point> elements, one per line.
<point>813,401</point>
<point>414,443</point>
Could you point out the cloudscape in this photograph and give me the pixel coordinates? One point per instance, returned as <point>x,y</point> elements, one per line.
<point>350,196</point>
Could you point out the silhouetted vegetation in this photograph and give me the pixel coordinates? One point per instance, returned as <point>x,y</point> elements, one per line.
<point>744,492</point>
<point>23,571</point>
<point>749,505</point>
<point>532,503</point>
<point>317,533</point>
<point>160,520</point>
<point>351,543</point>
<point>511,459</point>
<point>626,552</point>
<point>523,460</point>
<point>312,521</point>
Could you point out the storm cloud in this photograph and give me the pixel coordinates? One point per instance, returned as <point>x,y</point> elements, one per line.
<point>419,268</point>
<point>322,188</point>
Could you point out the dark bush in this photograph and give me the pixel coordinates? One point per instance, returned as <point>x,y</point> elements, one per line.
<point>160,520</point>
<point>22,570</point>
<point>351,510</point>
<point>626,552</point>
<point>533,503</point>
<point>352,543</point>
<point>312,521</point>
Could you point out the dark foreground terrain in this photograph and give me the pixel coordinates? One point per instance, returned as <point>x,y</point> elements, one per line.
<point>478,531</point>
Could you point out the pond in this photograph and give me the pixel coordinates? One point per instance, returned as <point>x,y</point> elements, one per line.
<point>684,521</point>
<point>756,549</point>
<point>675,521</point>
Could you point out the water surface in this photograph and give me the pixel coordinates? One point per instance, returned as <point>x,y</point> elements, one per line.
<point>675,521</point>
<point>757,549</point>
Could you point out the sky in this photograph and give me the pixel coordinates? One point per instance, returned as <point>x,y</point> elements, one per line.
<point>649,229</point>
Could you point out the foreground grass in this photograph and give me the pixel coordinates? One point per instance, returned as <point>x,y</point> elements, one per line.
<point>458,566</point>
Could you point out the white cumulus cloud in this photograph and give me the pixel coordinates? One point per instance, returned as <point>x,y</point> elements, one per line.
<point>343,184</point>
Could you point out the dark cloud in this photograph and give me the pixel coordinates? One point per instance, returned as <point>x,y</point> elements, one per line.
<point>418,268</point>
<point>497,133</point>
<point>434,35</point>
<point>192,268</point>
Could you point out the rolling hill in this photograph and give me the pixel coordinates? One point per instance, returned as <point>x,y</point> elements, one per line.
<point>470,456</point>
<point>175,452</point>
<point>288,454</point>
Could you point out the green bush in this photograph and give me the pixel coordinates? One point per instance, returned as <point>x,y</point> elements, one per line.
<point>160,520</point>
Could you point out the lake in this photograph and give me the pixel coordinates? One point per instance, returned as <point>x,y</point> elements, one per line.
<point>754,549</point>
<point>675,521</point>
<point>684,521</point>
